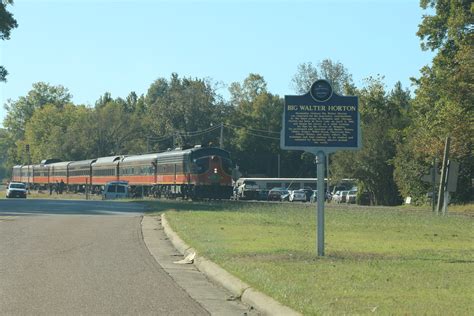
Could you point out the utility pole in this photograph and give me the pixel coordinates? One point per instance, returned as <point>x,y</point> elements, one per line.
<point>433,183</point>
<point>27,147</point>
<point>221,139</point>
<point>444,172</point>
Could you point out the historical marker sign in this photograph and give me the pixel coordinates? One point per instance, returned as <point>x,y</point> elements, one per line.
<point>320,120</point>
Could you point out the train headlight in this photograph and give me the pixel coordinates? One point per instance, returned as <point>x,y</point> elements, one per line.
<point>215,170</point>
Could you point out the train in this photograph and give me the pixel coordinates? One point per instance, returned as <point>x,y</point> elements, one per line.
<point>195,173</point>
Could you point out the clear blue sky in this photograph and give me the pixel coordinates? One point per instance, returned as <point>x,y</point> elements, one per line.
<point>93,47</point>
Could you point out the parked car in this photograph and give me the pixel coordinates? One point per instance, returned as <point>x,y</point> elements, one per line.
<point>247,189</point>
<point>314,196</point>
<point>336,197</point>
<point>115,190</point>
<point>16,189</point>
<point>263,195</point>
<point>308,192</point>
<point>278,194</point>
<point>297,195</point>
<point>351,197</point>
<point>344,196</point>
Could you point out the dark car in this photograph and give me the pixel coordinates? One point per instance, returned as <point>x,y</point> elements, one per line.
<point>263,195</point>
<point>308,192</point>
<point>277,194</point>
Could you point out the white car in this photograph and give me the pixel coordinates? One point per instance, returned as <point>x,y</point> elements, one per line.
<point>115,190</point>
<point>16,189</point>
<point>351,197</point>
<point>298,195</point>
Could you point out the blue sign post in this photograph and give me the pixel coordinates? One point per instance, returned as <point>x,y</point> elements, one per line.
<point>320,122</point>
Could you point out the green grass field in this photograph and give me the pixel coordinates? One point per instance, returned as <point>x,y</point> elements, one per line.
<point>378,260</point>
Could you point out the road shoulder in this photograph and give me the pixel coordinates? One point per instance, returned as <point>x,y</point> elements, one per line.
<point>216,300</point>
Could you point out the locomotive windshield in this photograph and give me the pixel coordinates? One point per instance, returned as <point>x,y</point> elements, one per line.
<point>201,164</point>
<point>227,165</point>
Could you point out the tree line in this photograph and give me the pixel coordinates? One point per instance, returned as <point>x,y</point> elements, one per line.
<point>401,134</point>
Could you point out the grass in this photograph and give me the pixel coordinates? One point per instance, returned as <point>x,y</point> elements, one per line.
<point>378,260</point>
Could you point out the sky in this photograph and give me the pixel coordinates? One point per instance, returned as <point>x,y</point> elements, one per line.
<point>117,46</point>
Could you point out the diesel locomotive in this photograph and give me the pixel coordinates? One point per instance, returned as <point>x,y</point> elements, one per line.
<point>196,173</point>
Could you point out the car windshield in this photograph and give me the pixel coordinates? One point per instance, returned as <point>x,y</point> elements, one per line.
<point>17,186</point>
<point>278,190</point>
<point>120,189</point>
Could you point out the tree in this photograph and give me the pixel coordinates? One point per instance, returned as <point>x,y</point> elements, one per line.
<point>5,143</point>
<point>256,123</point>
<point>46,133</point>
<point>79,137</point>
<point>115,131</point>
<point>7,23</point>
<point>179,107</point>
<point>381,120</point>
<point>21,110</point>
<point>444,99</point>
<point>334,72</point>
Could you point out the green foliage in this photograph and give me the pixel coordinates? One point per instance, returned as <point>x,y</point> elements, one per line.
<point>381,120</point>
<point>181,106</point>
<point>46,132</point>
<point>334,72</point>
<point>4,145</point>
<point>7,23</point>
<point>20,111</point>
<point>254,121</point>
<point>444,100</point>
<point>115,131</point>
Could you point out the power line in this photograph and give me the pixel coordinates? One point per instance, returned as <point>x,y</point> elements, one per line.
<point>263,136</point>
<point>207,130</point>
<point>252,129</point>
<point>159,138</point>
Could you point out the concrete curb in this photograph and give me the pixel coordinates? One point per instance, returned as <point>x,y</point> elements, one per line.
<point>261,302</point>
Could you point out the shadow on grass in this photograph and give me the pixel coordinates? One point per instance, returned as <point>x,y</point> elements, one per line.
<point>292,255</point>
<point>159,206</point>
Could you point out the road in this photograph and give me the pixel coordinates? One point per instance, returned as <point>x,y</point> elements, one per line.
<point>82,257</point>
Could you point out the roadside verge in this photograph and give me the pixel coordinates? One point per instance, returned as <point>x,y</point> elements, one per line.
<point>261,302</point>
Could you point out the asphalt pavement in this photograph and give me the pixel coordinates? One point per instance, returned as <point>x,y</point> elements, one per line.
<point>88,258</point>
